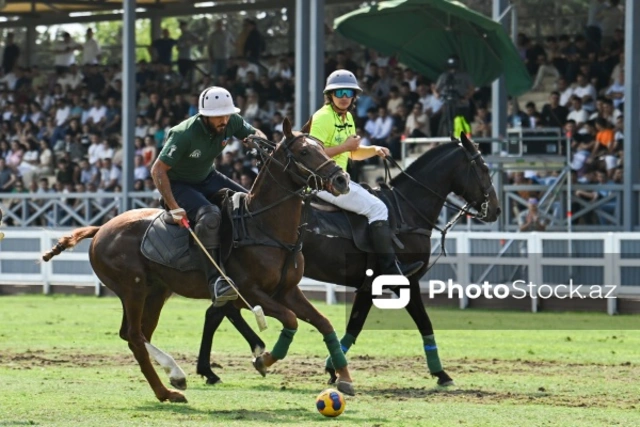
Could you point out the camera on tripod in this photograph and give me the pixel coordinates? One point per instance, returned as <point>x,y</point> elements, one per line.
<point>450,94</point>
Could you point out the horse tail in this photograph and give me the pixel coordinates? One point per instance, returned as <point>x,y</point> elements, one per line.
<point>67,242</point>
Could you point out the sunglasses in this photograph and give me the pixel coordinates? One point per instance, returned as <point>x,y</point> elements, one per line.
<point>344,93</point>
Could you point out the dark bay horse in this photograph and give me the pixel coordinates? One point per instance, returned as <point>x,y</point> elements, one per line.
<point>274,203</point>
<point>422,190</point>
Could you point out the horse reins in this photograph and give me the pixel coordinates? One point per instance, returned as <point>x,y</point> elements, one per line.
<point>484,207</point>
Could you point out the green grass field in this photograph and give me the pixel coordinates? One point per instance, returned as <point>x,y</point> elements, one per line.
<point>63,364</point>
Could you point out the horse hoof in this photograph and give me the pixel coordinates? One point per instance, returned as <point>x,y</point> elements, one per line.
<point>258,363</point>
<point>444,380</point>
<point>332,376</point>
<point>214,381</point>
<point>179,383</point>
<point>346,388</point>
<point>176,397</point>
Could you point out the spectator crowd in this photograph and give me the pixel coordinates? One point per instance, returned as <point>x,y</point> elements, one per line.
<point>60,130</point>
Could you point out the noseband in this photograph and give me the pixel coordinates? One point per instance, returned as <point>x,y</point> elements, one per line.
<point>313,175</point>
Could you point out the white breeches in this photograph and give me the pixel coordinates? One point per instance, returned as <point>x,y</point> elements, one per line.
<point>358,200</point>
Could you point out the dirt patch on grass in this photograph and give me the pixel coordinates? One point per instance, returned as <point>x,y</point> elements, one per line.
<point>481,381</point>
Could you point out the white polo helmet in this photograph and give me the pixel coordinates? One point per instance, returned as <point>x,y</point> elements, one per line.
<point>341,79</point>
<point>216,101</point>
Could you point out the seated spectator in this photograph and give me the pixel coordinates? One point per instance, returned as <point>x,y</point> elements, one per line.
<point>554,114</point>
<point>578,114</point>
<point>616,91</point>
<point>7,177</point>
<point>140,171</point>
<point>530,219</point>
<point>417,124</point>
<point>481,126</point>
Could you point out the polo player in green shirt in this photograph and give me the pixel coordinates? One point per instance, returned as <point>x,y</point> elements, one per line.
<point>185,176</point>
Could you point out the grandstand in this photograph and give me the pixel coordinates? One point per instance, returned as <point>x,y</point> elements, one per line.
<point>61,149</point>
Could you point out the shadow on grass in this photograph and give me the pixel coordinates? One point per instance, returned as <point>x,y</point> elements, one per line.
<point>296,416</point>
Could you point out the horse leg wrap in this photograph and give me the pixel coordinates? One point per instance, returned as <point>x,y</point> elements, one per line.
<point>431,351</point>
<point>345,343</point>
<point>281,348</point>
<point>335,351</point>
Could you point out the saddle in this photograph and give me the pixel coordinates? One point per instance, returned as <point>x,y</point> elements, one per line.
<point>167,244</point>
<point>237,227</point>
<point>328,220</point>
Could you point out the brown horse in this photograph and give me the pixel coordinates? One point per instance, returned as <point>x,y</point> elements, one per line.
<point>274,205</point>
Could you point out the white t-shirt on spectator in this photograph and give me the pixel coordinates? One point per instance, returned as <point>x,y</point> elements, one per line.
<point>579,116</point>
<point>93,153</point>
<point>71,81</point>
<point>115,173</point>
<point>565,96</point>
<point>62,115</point>
<point>10,79</point>
<point>616,87</point>
<point>90,52</point>
<point>66,58</point>
<point>582,91</point>
<point>97,113</point>
<point>142,131</point>
<point>141,172</point>
<point>383,127</point>
<point>243,71</point>
<point>104,152</point>
<point>431,101</point>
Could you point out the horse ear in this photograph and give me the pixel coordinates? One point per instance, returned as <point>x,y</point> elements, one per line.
<point>286,128</point>
<point>468,145</point>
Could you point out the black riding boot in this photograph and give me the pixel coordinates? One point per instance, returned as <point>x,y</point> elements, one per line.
<point>220,289</point>
<point>382,244</point>
<point>206,228</point>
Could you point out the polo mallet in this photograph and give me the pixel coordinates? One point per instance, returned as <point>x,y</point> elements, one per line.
<point>257,310</point>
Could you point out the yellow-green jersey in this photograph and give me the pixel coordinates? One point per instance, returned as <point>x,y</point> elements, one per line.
<point>328,127</point>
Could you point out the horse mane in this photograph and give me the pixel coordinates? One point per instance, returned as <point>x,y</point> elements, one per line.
<point>424,160</point>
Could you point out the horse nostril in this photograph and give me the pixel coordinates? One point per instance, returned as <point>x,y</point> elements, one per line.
<point>340,180</point>
<point>499,210</point>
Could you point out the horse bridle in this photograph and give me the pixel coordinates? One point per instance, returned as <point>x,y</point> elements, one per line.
<point>473,165</point>
<point>313,177</point>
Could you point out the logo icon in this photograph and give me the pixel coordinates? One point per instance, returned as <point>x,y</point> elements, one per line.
<point>195,154</point>
<point>389,280</point>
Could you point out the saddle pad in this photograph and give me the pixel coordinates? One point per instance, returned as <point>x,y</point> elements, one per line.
<point>168,245</point>
<point>340,224</point>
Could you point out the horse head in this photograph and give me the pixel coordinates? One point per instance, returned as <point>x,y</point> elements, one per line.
<point>312,166</point>
<point>472,182</point>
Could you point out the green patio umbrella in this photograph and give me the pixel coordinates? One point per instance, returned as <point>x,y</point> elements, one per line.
<point>424,33</point>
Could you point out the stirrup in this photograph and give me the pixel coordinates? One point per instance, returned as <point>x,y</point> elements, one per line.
<point>222,292</point>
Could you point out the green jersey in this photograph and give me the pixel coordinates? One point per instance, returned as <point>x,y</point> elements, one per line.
<point>329,128</point>
<point>190,147</point>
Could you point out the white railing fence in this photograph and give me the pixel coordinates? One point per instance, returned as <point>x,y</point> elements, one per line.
<point>596,260</point>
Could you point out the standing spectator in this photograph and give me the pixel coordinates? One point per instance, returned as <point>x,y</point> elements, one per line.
<point>218,48</point>
<point>90,49</point>
<point>65,53</point>
<point>185,59</point>
<point>254,44</point>
<point>162,49</point>
<point>10,55</point>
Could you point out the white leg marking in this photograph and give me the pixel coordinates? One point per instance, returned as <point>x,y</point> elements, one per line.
<point>166,361</point>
